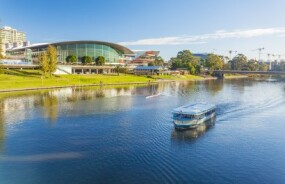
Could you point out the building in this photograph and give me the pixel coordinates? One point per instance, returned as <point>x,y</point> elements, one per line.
<point>144,57</point>
<point>12,38</point>
<point>149,70</point>
<point>201,55</point>
<point>113,53</point>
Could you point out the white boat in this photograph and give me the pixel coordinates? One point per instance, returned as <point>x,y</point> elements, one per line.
<point>154,95</point>
<point>192,115</point>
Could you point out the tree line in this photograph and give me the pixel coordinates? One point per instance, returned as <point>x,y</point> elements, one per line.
<point>186,60</point>
<point>99,61</point>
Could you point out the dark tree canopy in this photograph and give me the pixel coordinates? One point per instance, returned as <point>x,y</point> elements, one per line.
<point>185,59</point>
<point>238,62</point>
<point>71,59</point>
<point>100,61</point>
<point>86,60</point>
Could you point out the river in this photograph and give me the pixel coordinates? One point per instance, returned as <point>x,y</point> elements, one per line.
<point>116,135</point>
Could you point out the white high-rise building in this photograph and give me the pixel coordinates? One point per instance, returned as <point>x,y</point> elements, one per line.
<point>12,38</point>
<point>10,35</point>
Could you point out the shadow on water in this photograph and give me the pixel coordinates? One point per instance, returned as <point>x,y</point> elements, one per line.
<point>192,134</point>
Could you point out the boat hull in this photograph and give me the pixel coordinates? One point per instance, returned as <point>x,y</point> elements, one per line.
<point>192,123</point>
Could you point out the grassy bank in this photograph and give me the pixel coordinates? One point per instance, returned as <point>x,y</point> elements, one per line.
<point>19,79</point>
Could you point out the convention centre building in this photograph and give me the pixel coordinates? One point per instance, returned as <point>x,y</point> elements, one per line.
<point>113,53</point>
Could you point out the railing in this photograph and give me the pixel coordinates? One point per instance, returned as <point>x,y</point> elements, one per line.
<point>249,72</point>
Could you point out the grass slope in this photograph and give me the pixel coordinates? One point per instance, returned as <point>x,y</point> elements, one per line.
<point>17,79</point>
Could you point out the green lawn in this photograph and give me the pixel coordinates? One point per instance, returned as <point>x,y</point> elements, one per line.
<point>17,79</point>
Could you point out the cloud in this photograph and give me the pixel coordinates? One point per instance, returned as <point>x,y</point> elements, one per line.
<point>204,38</point>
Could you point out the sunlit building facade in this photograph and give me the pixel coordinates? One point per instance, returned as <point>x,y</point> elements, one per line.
<point>144,57</point>
<point>11,37</point>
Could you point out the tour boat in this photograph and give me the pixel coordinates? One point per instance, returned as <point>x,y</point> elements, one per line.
<point>192,115</point>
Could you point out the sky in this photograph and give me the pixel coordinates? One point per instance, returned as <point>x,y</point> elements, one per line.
<point>169,26</point>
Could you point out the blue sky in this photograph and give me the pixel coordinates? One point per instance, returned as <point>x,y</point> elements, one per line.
<point>166,25</point>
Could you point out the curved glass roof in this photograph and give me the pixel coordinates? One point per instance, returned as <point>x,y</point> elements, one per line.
<point>121,48</point>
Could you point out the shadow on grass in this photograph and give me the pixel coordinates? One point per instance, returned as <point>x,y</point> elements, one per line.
<point>23,73</point>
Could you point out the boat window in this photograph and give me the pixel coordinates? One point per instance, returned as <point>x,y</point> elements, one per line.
<point>183,116</point>
<point>188,116</point>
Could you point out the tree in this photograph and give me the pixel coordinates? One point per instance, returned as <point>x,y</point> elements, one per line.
<point>52,59</point>
<point>176,63</point>
<point>117,69</point>
<point>150,64</point>
<point>158,61</point>
<point>214,62</point>
<point>86,60</point>
<point>252,65</point>
<point>1,55</point>
<point>43,62</point>
<point>238,62</point>
<point>185,59</point>
<point>100,61</point>
<point>48,60</point>
<point>1,48</point>
<point>263,67</point>
<point>1,68</point>
<point>71,59</point>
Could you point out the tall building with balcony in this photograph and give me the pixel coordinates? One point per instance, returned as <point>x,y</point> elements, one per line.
<point>12,38</point>
<point>10,35</point>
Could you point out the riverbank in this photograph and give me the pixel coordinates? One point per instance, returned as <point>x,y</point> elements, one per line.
<point>27,80</point>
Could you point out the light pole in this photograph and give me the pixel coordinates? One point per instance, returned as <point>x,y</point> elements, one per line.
<point>259,53</point>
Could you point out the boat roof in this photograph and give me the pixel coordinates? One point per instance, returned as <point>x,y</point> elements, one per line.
<point>194,109</point>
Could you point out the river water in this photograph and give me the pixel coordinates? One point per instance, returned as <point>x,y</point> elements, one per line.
<point>116,135</point>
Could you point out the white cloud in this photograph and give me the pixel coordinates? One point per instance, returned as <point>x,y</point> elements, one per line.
<point>204,38</point>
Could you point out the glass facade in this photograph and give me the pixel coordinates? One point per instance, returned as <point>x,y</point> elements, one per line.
<point>88,49</point>
<point>113,53</point>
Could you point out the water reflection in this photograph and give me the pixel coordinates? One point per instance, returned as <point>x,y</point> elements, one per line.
<point>192,134</point>
<point>16,107</point>
<point>49,103</point>
<point>2,128</point>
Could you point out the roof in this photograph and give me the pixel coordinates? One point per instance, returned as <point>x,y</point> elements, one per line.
<point>148,68</point>
<point>194,109</point>
<point>112,45</point>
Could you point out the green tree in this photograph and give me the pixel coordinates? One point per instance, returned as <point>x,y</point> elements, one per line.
<point>1,48</point>
<point>117,69</point>
<point>52,59</point>
<point>176,63</point>
<point>158,61</point>
<point>71,59</point>
<point>86,60</point>
<point>150,64</point>
<point>263,67</point>
<point>1,68</point>
<point>43,62</point>
<point>48,60</point>
<point>252,65</point>
<point>238,62</point>
<point>214,62</point>
<point>100,61</point>
<point>185,59</point>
